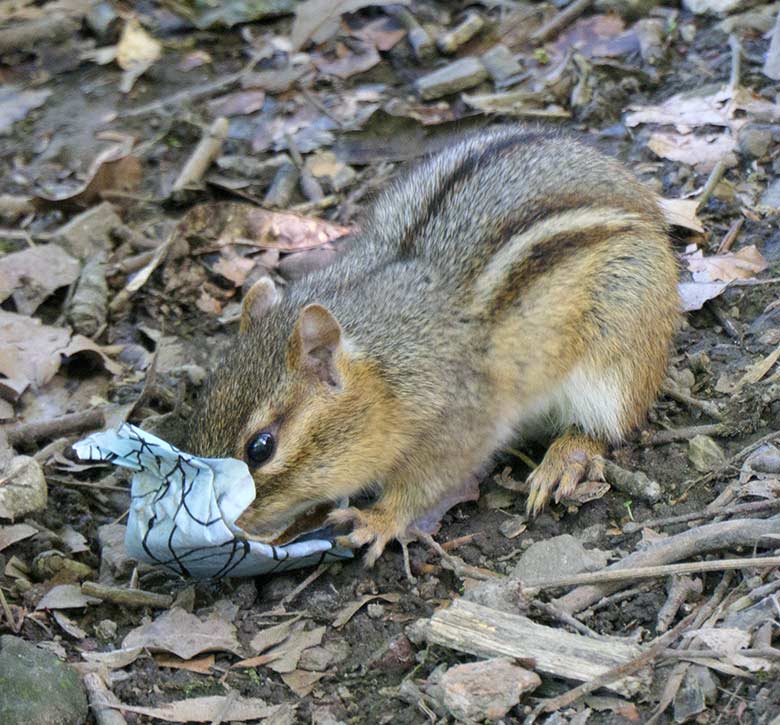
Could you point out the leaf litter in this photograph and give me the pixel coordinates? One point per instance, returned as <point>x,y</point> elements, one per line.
<point>331,93</point>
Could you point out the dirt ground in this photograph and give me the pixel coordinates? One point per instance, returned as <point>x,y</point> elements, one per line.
<point>181,315</point>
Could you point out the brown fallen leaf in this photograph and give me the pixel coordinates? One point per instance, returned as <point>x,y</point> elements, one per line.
<point>287,654</point>
<point>318,20</point>
<point>31,353</point>
<point>240,103</point>
<point>185,635</point>
<point>233,267</point>
<point>383,33</point>
<point>114,169</point>
<point>302,682</point>
<point>353,608</point>
<point>31,275</point>
<point>597,36</point>
<point>727,267</point>
<point>66,596</point>
<point>346,62</point>
<point>702,151</point>
<point>114,659</point>
<point>759,370</point>
<point>682,213</point>
<point>212,226</point>
<point>68,625</point>
<point>200,665</point>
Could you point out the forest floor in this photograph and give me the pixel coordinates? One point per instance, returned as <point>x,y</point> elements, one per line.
<point>120,284</point>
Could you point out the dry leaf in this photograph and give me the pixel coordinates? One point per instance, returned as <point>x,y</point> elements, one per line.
<point>65,596</point>
<point>354,607</point>
<point>201,665</point>
<point>287,654</point>
<point>136,51</point>
<point>9,535</point>
<point>682,213</point>
<point>758,370</point>
<point>271,636</point>
<point>112,170</point>
<point>32,352</point>
<point>226,223</point>
<point>302,682</point>
<point>319,20</point>
<point>694,294</point>
<point>68,625</point>
<point>701,151</point>
<point>350,63</point>
<point>240,103</point>
<point>114,659</point>
<point>184,635</point>
<point>383,33</point>
<point>217,708</point>
<point>32,274</point>
<point>745,264</point>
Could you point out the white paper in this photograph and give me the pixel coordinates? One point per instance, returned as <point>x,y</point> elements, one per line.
<point>183,510</point>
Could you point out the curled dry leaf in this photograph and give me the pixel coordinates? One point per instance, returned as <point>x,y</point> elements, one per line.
<point>354,607</point>
<point>31,352</point>
<point>225,223</point>
<point>114,169</point>
<point>744,264</point>
<point>216,708</point>
<point>682,213</point>
<point>31,275</point>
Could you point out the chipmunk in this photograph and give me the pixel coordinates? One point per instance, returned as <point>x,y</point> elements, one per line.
<point>517,275</point>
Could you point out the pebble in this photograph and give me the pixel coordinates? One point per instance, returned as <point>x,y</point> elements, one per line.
<point>561,555</point>
<point>705,454</point>
<point>452,78</point>
<point>88,233</point>
<point>334,175</point>
<point>35,687</point>
<point>485,690</point>
<point>262,171</point>
<point>754,140</point>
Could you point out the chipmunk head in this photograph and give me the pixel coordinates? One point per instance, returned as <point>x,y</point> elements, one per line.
<point>310,415</point>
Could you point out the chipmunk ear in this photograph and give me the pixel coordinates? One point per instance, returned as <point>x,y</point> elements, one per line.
<point>262,295</point>
<point>318,340</point>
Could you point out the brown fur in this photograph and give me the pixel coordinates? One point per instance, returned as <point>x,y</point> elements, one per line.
<point>515,276</point>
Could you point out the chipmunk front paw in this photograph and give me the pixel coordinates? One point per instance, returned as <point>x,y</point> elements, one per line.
<point>570,460</point>
<point>374,526</point>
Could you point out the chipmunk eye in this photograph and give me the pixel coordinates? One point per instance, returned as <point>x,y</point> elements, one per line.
<point>260,448</point>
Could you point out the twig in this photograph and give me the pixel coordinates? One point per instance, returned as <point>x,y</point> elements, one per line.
<point>680,588</point>
<point>770,653</point>
<point>745,508</point>
<point>29,433</point>
<point>715,307</point>
<point>712,181</point>
<point>736,61</point>
<point>754,596</point>
<point>86,484</point>
<point>650,572</point>
<point>617,598</point>
<point>454,563</point>
<point>126,597</point>
<point>102,701</point>
<point>731,235</point>
<point>208,148</point>
<point>566,16</point>
<point>566,618</point>
<point>663,437</point>
<point>8,613</point>
<point>680,396</point>
<point>659,645</point>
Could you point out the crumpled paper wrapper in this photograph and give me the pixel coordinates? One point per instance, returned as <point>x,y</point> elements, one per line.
<point>183,510</point>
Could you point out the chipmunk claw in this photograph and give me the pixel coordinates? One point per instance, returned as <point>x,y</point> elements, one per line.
<point>570,460</point>
<point>369,526</point>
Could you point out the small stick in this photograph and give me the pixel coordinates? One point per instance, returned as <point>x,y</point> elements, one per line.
<point>710,409</point>
<point>770,653</point>
<point>754,596</point>
<point>29,433</point>
<point>753,282</point>
<point>731,236</point>
<point>616,598</point>
<point>566,618</point>
<point>458,542</point>
<point>744,508</point>
<point>565,17</point>
<point>454,563</point>
<point>662,437</point>
<point>102,701</point>
<point>650,572</point>
<point>8,613</point>
<point>712,181</point>
<point>661,643</point>
<point>207,150</point>
<point>736,61</point>
<point>316,574</point>
<point>724,321</point>
<point>680,588</point>
<point>126,597</point>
